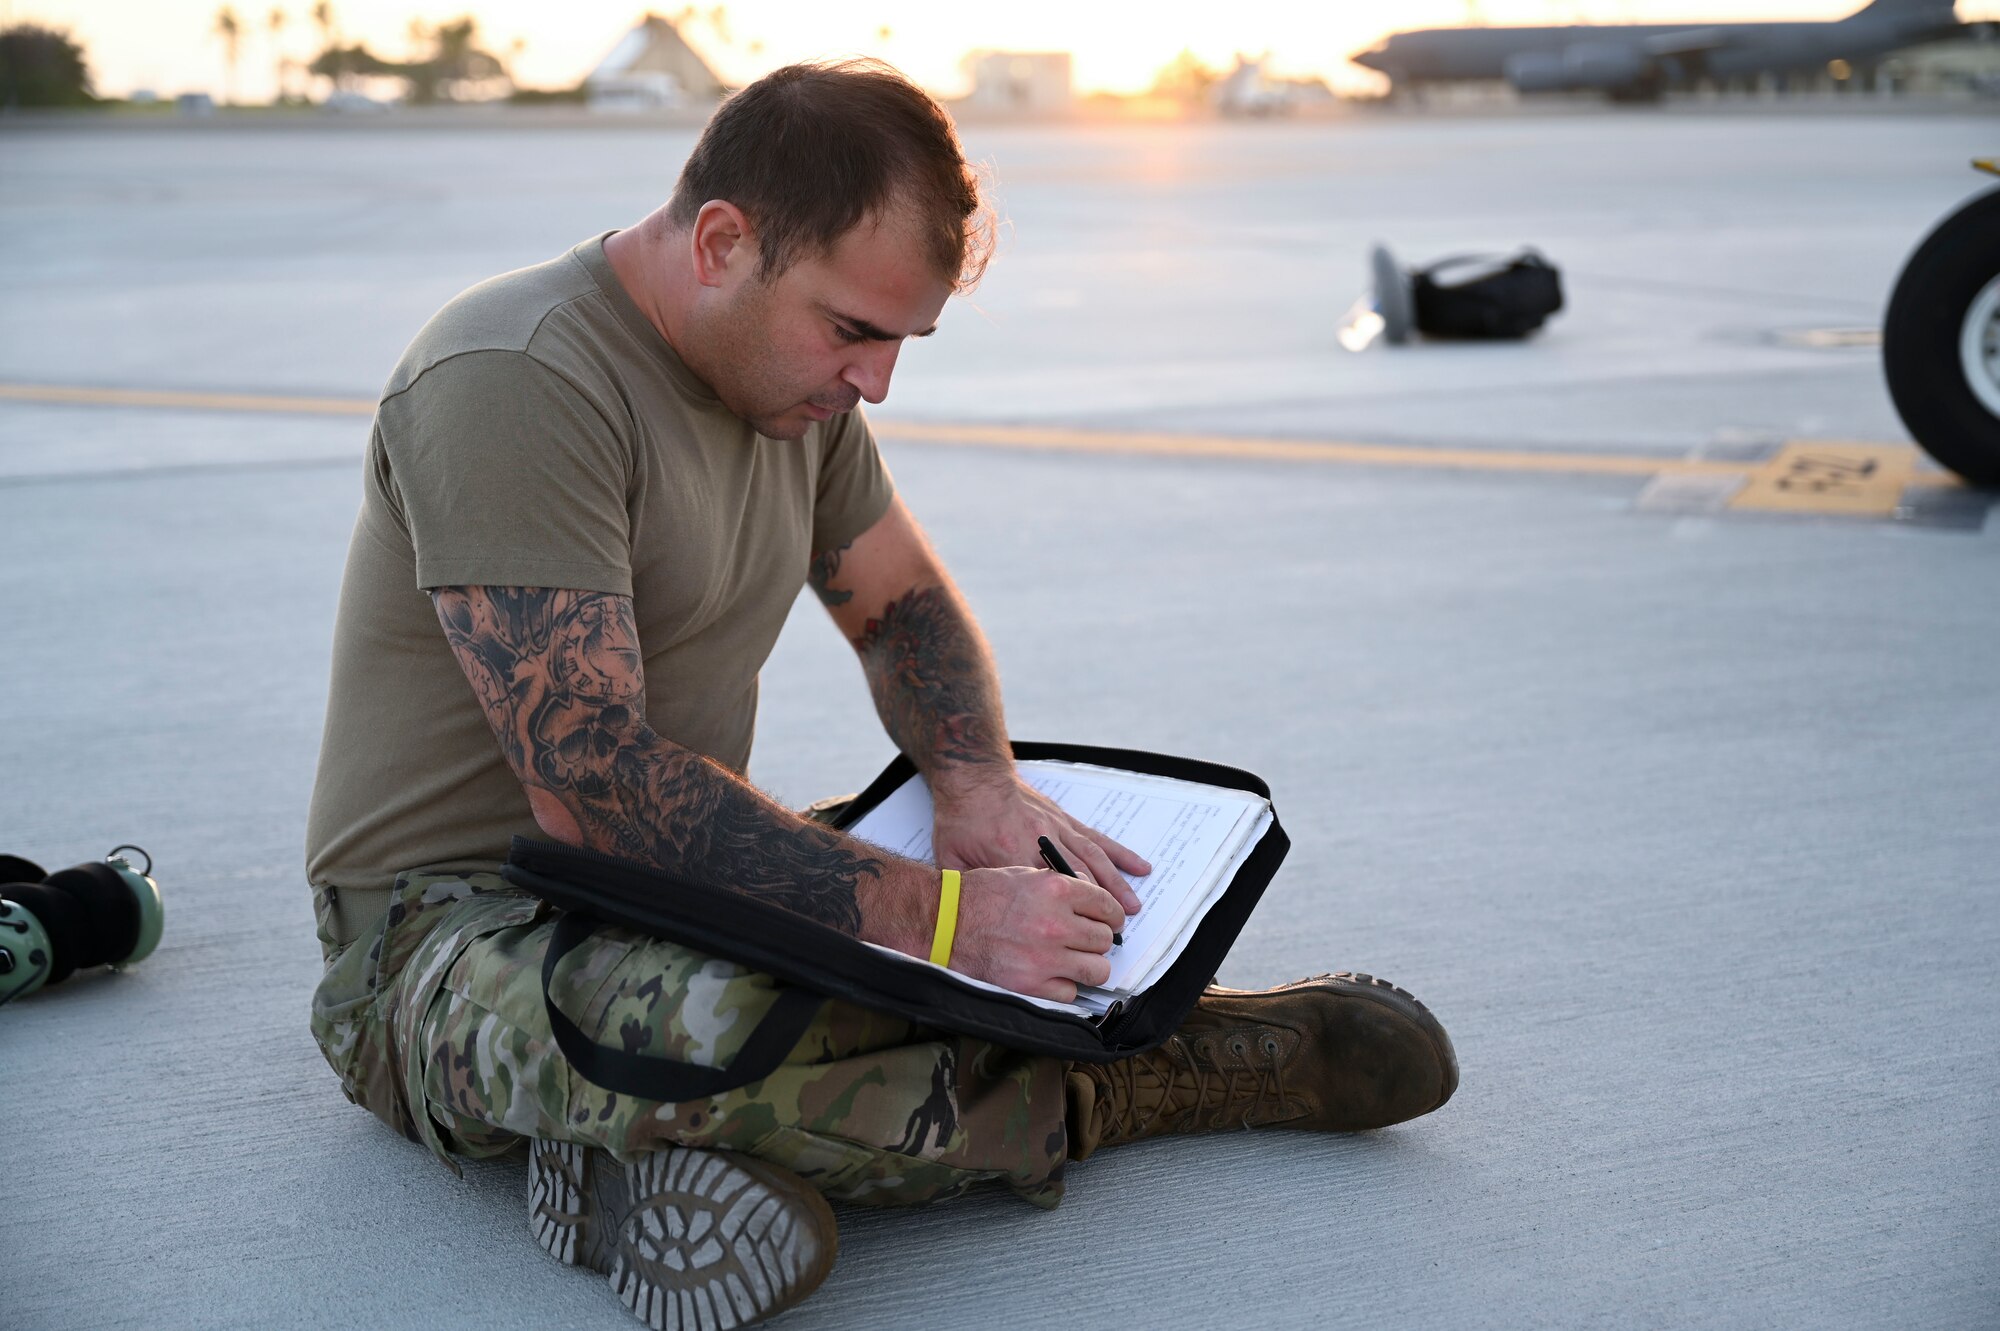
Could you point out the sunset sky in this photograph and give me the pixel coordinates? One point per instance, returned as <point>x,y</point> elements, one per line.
<point>168,45</point>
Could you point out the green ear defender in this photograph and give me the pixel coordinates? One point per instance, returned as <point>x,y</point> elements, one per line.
<point>53,924</point>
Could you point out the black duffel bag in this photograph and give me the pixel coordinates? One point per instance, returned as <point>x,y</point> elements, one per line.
<point>1486,296</point>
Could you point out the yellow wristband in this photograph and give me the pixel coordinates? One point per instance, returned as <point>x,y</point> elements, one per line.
<point>947,924</point>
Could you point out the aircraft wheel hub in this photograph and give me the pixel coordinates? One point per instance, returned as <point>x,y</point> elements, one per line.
<point>1979,346</point>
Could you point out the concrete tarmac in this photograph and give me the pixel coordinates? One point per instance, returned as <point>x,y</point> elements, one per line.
<point>1682,824</point>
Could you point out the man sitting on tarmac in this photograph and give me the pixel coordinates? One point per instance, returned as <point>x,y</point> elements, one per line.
<point>593,489</point>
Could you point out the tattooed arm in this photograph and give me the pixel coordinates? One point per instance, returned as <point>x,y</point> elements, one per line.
<point>560,677</point>
<point>928,665</point>
<point>938,694</point>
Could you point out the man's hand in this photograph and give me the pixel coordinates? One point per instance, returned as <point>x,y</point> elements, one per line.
<point>992,823</point>
<point>1034,931</point>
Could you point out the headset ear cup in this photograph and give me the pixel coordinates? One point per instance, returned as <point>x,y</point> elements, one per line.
<point>152,910</point>
<point>111,913</point>
<point>14,869</point>
<point>26,954</point>
<point>63,919</point>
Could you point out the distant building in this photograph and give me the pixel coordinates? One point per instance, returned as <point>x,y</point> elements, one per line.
<point>1019,82</point>
<point>1250,90</point>
<point>651,69</point>
<point>347,101</point>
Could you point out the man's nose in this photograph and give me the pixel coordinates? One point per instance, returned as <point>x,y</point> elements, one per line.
<point>869,372</point>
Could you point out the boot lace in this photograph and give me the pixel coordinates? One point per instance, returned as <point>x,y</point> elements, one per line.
<point>1191,1089</point>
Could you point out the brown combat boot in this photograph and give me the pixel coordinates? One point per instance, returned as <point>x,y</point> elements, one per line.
<point>692,1240</point>
<point>1333,1053</point>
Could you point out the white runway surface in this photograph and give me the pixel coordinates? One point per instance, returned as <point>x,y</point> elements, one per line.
<point>1682,824</point>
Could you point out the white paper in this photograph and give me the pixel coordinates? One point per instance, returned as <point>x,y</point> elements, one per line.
<point>1195,836</point>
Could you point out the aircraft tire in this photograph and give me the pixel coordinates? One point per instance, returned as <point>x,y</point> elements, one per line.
<point>1933,355</point>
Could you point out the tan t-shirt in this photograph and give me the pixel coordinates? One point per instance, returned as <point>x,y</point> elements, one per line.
<point>540,432</point>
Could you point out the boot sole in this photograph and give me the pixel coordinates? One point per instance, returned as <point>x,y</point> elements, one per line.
<point>688,1239</point>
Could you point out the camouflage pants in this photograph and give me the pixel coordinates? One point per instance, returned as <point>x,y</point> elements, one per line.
<point>434,1021</point>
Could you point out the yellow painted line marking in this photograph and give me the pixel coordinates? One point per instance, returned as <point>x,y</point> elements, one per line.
<point>153,397</point>
<point>1851,480</point>
<point>1382,455</point>
<point>1891,458</point>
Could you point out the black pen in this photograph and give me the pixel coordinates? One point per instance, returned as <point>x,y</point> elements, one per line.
<point>1053,858</point>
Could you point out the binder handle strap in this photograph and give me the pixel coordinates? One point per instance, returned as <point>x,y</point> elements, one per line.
<point>664,1079</point>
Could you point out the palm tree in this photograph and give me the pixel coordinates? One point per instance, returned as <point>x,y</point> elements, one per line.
<point>230,30</point>
<point>275,22</point>
<point>322,17</point>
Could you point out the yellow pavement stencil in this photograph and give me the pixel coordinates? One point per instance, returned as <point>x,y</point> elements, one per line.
<point>1848,480</point>
<point>1835,477</point>
<point>182,401</point>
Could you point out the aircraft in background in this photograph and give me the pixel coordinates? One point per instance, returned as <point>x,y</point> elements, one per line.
<point>1639,62</point>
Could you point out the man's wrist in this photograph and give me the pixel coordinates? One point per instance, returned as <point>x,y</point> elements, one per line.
<point>960,784</point>
<point>899,909</point>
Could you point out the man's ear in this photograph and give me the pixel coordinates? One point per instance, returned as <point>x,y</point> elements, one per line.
<point>724,243</point>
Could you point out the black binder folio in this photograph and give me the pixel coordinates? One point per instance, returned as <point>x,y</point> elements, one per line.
<point>817,963</point>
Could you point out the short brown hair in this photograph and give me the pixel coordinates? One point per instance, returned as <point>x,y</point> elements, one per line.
<point>810,151</point>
